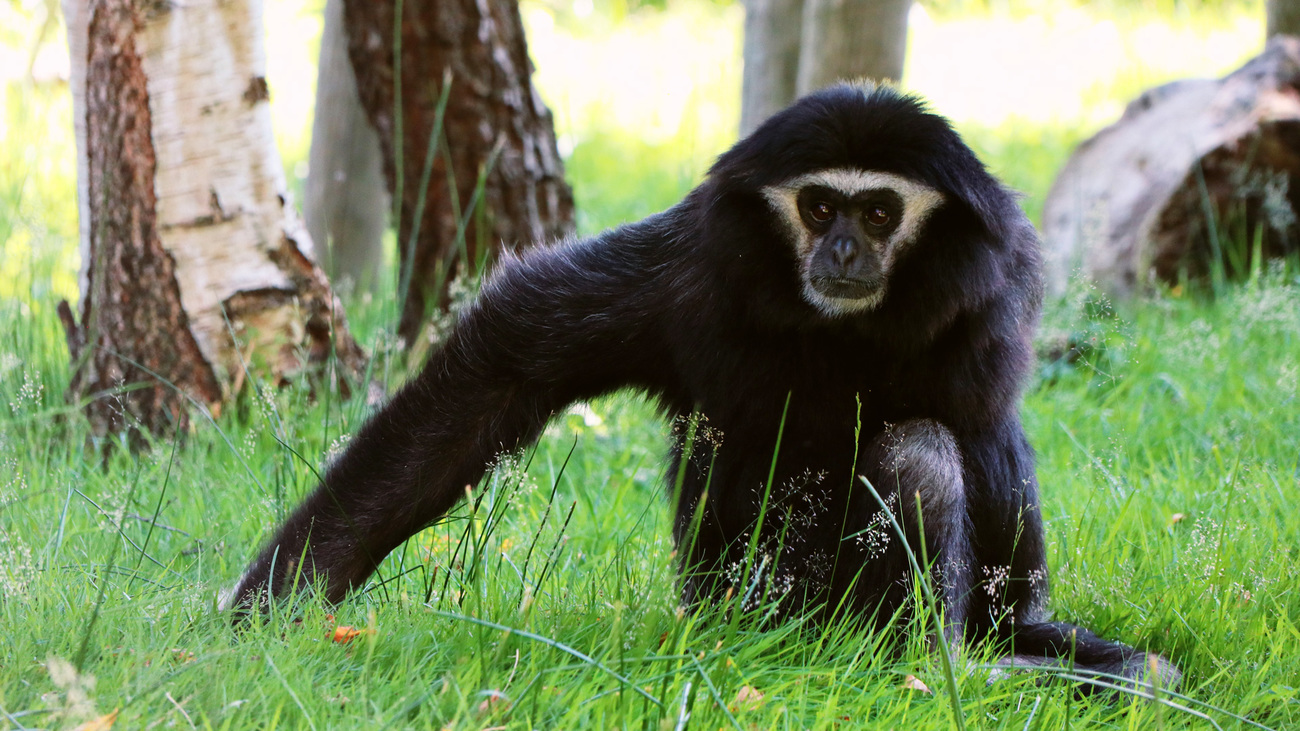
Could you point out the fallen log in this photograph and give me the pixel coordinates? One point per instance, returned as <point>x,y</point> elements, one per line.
<point>1195,179</point>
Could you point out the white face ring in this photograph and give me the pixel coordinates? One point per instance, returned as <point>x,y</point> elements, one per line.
<point>919,201</point>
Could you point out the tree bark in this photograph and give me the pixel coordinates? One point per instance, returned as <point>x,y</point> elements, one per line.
<point>851,39</point>
<point>345,202</point>
<point>771,54</point>
<point>1283,18</point>
<point>495,127</point>
<point>188,235</point>
<point>793,47</point>
<point>1194,180</point>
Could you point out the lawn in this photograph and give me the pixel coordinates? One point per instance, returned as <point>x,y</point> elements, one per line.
<point>1169,457</point>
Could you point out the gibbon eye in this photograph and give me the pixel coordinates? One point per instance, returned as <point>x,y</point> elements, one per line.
<point>877,216</point>
<point>821,211</point>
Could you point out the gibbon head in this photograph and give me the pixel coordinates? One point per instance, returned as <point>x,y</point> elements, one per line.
<point>872,194</point>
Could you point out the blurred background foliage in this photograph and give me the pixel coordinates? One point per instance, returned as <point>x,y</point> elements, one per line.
<point>646,93</point>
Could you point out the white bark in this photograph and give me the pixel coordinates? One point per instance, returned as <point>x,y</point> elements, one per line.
<point>243,259</point>
<point>346,200</point>
<point>222,201</point>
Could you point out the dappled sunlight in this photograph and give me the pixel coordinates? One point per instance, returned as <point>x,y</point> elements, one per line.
<point>654,74</point>
<point>644,102</point>
<point>660,89</point>
<point>662,71</point>
<point>1075,65</point>
<point>293,29</point>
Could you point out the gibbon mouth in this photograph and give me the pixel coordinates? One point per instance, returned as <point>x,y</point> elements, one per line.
<point>844,287</point>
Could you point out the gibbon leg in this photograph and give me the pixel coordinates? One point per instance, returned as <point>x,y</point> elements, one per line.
<point>1009,603</point>
<point>915,458</point>
<point>1064,645</point>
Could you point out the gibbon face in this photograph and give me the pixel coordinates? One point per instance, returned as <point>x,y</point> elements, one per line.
<point>848,228</point>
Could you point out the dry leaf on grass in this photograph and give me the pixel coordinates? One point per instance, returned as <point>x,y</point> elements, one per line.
<point>748,698</point>
<point>345,633</point>
<point>912,682</point>
<point>103,723</point>
<point>495,701</point>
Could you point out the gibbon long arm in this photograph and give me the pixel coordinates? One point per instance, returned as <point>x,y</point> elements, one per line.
<point>552,328</point>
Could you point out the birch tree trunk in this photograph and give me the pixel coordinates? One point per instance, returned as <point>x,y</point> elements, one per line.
<point>495,129</point>
<point>345,201</point>
<point>187,232</point>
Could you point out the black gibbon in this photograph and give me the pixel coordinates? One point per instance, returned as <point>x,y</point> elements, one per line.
<point>850,276</point>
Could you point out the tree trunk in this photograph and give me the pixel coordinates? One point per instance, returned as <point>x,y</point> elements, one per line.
<point>793,47</point>
<point>1196,180</point>
<point>187,234</point>
<point>771,52</point>
<point>495,127</point>
<point>345,202</point>
<point>1283,18</point>
<point>851,39</point>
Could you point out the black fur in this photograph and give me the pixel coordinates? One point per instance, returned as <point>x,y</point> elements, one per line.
<point>701,308</point>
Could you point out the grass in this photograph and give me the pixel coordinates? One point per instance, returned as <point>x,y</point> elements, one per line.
<point>1169,455</point>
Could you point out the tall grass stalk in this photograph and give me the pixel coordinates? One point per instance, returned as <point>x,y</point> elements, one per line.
<point>1169,454</point>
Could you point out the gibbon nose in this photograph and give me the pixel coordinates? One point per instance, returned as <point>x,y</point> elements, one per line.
<point>844,251</point>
